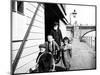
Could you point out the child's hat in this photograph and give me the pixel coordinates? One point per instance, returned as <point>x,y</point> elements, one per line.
<point>42,46</point>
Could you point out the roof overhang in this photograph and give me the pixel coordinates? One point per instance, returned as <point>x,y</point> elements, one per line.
<point>62,10</point>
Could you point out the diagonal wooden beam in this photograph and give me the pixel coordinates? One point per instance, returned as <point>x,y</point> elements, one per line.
<point>14,65</point>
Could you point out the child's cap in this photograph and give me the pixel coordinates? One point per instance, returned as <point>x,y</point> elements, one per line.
<point>42,46</point>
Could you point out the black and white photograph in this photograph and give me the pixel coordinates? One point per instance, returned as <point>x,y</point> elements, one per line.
<point>52,37</point>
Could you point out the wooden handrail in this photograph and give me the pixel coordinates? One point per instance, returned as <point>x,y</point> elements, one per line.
<point>14,65</point>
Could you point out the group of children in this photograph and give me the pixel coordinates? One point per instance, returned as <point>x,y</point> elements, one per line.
<point>46,58</point>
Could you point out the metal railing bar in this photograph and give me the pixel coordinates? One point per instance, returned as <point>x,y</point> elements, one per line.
<point>28,17</point>
<point>24,65</point>
<point>13,41</point>
<point>36,26</point>
<point>35,7</point>
<point>31,67</point>
<point>29,54</point>
<point>27,71</point>
<point>35,19</point>
<point>37,32</point>
<point>14,65</point>
<point>33,12</point>
<point>36,39</point>
<point>42,6</point>
<point>25,47</point>
<point>39,21</point>
<point>32,5</point>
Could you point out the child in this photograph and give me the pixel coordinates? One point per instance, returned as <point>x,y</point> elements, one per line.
<point>66,54</point>
<point>53,48</point>
<point>46,63</point>
<point>42,48</point>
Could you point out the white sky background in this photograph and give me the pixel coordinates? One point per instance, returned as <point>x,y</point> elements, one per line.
<point>85,14</point>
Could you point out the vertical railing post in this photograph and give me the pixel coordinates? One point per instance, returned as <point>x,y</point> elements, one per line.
<point>14,65</point>
<point>91,41</point>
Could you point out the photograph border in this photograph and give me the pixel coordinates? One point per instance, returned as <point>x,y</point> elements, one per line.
<point>11,26</point>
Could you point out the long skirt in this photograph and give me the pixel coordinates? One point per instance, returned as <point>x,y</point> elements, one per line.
<point>66,59</point>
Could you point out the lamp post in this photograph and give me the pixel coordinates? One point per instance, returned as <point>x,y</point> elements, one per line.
<point>76,27</point>
<point>74,13</point>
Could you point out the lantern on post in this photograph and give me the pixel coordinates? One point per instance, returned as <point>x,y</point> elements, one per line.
<point>73,14</point>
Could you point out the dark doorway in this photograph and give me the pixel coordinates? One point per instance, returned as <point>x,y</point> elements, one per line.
<point>51,15</point>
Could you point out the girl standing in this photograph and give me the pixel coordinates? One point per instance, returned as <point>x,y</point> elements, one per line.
<point>66,53</point>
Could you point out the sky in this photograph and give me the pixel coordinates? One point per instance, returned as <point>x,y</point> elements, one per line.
<point>85,14</point>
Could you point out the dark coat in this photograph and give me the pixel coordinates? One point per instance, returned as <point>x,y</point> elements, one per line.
<point>57,36</point>
<point>38,55</point>
<point>55,47</point>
